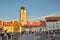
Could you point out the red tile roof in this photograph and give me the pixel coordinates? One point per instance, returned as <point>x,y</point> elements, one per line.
<point>36,24</point>
<point>52,19</point>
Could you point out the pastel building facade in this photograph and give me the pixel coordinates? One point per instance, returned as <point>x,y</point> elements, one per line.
<point>23,16</point>
<point>39,26</point>
<point>53,23</point>
<point>8,26</point>
<point>35,26</point>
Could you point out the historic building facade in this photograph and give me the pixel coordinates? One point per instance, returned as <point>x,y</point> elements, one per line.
<point>53,23</point>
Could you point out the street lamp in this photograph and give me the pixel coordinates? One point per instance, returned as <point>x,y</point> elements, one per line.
<point>57,24</point>
<point>5,35</point>
<point>53,32</point>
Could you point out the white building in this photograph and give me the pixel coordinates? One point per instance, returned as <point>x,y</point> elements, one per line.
<point>52,23</point>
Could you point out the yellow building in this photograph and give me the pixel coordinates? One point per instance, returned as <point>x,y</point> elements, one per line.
<point>23,19</point>
<point>8,29</point>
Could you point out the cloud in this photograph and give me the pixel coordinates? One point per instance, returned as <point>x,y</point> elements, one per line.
<point>33,18</point>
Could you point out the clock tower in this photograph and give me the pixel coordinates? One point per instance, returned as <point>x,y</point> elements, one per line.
<point>23,19</point>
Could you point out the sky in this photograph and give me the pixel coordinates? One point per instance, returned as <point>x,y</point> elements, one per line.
<point>9,9</point>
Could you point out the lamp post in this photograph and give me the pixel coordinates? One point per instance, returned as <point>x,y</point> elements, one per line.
<point>5,35</point>
<point>53,32</point>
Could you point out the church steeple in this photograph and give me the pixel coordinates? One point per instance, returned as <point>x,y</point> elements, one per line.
<point>22,8</point>
<point>23,19</point>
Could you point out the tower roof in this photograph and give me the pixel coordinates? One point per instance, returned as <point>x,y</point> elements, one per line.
<point>23,7</point>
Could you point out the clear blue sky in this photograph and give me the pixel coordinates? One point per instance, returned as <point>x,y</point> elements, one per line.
<point>9,9</point>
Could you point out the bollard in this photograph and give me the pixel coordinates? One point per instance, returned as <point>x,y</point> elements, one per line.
<point>5,36</point>
<point>0,37</point>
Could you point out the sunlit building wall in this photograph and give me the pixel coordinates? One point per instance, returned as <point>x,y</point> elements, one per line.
<point>39,26</point>
<point>1,23</point>
<point>9,26</point>
<point>53,23</point>
<point>23,19</point>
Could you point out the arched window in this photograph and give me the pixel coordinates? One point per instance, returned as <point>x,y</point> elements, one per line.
<point>22,20</point>
<point>23,12</point>
<point>57,24</point>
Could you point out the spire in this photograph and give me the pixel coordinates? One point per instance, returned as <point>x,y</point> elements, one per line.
<point>23,8</point>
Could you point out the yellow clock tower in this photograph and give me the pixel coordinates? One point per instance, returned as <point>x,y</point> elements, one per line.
<point>23,19</point>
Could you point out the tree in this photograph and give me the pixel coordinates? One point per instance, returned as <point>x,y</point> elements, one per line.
<point>40,29</point>
<point>16,27</point>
